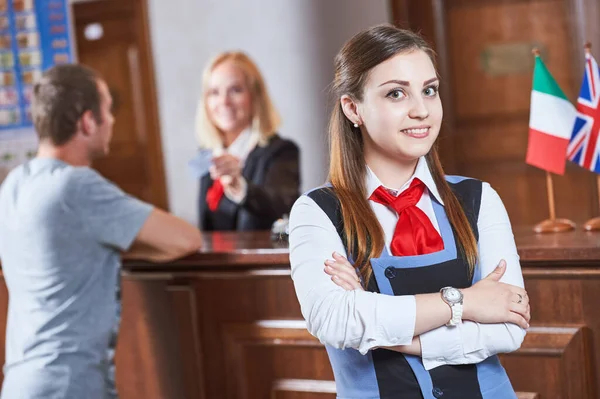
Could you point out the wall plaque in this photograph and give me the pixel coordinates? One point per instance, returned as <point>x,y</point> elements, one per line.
<point>509,58</point>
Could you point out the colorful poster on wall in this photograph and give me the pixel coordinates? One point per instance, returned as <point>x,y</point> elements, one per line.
<point>34,36</point>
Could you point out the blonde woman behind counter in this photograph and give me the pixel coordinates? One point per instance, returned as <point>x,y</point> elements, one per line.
<point>249,175</point>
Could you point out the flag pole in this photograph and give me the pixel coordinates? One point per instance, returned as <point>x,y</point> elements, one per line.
<point>550,191</point>
<point>552,225</point>
<point>592,224</point>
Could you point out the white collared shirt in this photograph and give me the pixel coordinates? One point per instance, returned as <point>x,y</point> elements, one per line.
<point>364,320</point>
<point>243,144</point>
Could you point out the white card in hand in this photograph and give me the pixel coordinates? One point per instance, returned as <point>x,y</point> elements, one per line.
<point>200,164</point>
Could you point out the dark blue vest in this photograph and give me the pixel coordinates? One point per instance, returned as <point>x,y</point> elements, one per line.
<point>387,374</point>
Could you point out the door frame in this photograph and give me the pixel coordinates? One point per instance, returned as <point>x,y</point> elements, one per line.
<point>145,99</point>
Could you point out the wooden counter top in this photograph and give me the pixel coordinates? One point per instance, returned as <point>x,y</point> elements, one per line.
<point>576,246</point>
<point>226,250</point>
<point>250,249</point>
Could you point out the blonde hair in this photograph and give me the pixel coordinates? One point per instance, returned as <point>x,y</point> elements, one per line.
<point>265,118</point>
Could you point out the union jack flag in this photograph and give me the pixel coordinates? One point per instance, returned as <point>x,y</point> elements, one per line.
<point>583,147</point>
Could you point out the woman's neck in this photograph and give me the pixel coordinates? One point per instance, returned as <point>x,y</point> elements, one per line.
<point>230,137</point>
<point>392,173</point>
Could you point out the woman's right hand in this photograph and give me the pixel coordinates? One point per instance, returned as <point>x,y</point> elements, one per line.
<point>343,273</point>
<point>490,301</point>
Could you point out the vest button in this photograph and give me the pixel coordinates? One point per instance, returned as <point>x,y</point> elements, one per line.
<point>390,272</point>
<point>437,393</point>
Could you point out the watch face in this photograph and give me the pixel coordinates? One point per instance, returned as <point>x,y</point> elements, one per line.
<point>452,295</point>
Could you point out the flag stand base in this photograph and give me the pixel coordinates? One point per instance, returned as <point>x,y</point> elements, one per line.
<point>592,225</point>
<point>555,226</point>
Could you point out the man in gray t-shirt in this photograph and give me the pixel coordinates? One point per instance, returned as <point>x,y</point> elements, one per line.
<point>63,228</point>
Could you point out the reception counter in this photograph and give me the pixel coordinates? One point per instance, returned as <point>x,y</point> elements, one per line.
<point>225,323</point>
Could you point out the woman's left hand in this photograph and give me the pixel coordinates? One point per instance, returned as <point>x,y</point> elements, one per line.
<point>343,273</point>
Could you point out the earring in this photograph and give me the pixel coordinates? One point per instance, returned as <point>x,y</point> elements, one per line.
<point>356,125</point>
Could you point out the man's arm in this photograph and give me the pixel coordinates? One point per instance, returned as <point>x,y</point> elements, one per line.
<point>163,238</point>
<point>133,227</point>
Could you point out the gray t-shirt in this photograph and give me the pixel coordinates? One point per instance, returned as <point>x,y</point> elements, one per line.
<point>62,229</point>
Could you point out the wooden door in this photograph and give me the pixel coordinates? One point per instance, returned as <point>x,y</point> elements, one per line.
<point>112,37</point>
<point>484,49</point>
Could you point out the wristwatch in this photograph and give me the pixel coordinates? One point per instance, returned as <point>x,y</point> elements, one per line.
<point>454,298</point>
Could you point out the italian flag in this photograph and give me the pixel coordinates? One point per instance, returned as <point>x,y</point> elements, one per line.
<point>551,122</point>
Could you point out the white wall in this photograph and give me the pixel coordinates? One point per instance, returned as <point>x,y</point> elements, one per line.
<point>292,41</point>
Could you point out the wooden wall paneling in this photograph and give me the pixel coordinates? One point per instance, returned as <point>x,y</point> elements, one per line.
<point>149,111</point>
<point>123,57</point>
<point>260,353</point>
<point>148,353</point>
<point>314,389</point>
<point>302,395</point>
<point>492,112</point>
<point>570,295</point>
<point>185,311</point>
<point>585,15</point>
<point>234,330</point>
<point>554,358</point>
<point>528,395</point>
<point>399,11</point>
<point>230,298</point>
<point>427,18</point>
<point>487,110</point>
<point>303,389</point>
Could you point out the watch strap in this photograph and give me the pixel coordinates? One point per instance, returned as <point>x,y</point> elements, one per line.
<point>457,312</point>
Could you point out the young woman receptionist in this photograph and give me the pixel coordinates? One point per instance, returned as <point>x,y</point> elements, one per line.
<point>424,287</point>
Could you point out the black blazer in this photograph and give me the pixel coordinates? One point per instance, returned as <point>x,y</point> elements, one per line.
<point>273,177</point>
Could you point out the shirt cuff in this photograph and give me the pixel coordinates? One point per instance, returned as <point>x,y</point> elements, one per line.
<point>441,345</point>
<point>392,329</point>
<point>237,196</point>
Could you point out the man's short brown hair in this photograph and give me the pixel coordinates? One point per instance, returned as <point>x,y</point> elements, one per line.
<point>63,94</point>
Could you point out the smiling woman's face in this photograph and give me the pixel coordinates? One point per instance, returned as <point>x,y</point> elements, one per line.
<point>228,99</point>
<point>401,111</point>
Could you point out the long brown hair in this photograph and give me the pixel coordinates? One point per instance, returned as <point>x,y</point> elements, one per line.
<point>363,233</point>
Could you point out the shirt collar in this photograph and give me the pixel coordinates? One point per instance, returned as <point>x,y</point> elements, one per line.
<point>242,145</point>
<point>422,172</point>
